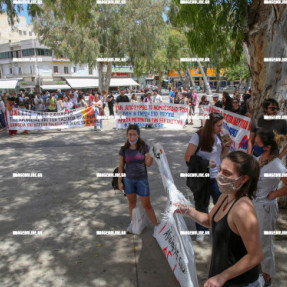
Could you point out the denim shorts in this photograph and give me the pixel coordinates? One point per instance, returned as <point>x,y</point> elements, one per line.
<point>137,186</point>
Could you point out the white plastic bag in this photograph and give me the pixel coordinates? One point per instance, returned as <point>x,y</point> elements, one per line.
<point>138,220</point>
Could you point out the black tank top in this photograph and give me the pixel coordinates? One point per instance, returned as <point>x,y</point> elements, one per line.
<point>227,249</point>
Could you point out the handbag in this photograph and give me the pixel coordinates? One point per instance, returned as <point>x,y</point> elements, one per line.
<point>115,183</point>
<point>138,220</point>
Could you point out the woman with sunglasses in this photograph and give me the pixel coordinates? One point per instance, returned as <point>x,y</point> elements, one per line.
<point>268,144</point>
<point>211,149</point>
<point>135,154</point>
<point>270,108</point>
<point>236,246</point>
<point>236,108</point>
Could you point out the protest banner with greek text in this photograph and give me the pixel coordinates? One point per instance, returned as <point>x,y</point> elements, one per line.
<point>156,115</point>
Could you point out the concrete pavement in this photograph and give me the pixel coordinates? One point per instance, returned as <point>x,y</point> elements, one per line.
<point>69,204</point>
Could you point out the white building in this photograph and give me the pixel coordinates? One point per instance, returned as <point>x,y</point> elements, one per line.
<point>35,64</point>
<point>21,30</point>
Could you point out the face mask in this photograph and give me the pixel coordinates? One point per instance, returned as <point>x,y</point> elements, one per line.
<point>132,143</point>
<point>258,150</point>
<point>226,185</point>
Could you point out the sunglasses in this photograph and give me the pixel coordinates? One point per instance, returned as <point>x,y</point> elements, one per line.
<point>235,102</point>
<point>274,109</point>
<point>216,115</point>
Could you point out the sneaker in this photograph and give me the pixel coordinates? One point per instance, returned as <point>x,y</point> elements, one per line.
<point>200,237</point>
<point>130,228</point>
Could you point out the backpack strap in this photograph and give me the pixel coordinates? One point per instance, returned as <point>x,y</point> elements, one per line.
<point>199,141</point>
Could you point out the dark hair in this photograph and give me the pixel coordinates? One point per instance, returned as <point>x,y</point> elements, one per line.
<point>140,143</point>
<point>273,139</point>
<point>267,102</point>
<point>207,131</point>
<point>245,165</point>
<point>225,94</point>
<point>60,97</point>
<point>133,96</point>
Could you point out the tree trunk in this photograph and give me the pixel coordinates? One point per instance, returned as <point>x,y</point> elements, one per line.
<point>218,77</point>
<point>104,78</point>
<point>266,37</point>
<point>209,92</point>
<point>190,78</point>
<point>181,78</point>
<point>159,81</point>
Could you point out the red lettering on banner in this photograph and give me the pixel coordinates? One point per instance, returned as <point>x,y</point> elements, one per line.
<point>120,108</point>
<point>169,253</point>
<point>174,268</point>
<point>162,229</point>
<point>164,251</point>
<point>183,110</point>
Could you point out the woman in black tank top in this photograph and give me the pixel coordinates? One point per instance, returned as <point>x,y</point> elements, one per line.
<point>236,248</point>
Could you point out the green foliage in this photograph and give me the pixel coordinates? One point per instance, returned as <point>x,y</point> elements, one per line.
<point>239,71</point>
<point>113,31</point>
<point>215,29</point>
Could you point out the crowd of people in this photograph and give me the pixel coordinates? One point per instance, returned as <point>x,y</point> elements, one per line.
<point>245,200</point>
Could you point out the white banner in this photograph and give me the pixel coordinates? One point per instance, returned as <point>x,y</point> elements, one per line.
<point>20,119</point>
<point>177,248</point>
<point>236,125</point>
<point>157,115</point>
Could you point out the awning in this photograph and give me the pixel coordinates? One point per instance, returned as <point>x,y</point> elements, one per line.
<point>8,84</point>
<point>79,83</point>
<point>55,87</point>
<point>123,82</point>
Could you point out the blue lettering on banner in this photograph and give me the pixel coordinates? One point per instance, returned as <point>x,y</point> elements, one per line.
<point>127,113</point>
<point>233,132</point>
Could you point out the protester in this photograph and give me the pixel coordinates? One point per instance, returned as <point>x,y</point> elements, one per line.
<point>98,111</point>
<point>81,102</point>
<point>194,95</point>
<point>111,102</point>
<point>67,104</point>
<point>135,154</point>
<point>172,95</point>
<point>104,100</point>
<point>10,104</point>
<point>91,98</point>
<point>268,144</point>
<point>237,96</point>
<point>245,105</point>
<point>39,103</point>
<point>236,107</point>
<point>60,104</point>
<point>122,98</point>
<point>216,101</point>
<point>236,246</point>
<point>211,149</point>
<point>176,98</point>
<point>203,102</point>
<point>270,108</point>
<point>45,99</point>
<point>148,98</point>
<point>2,114</point>
<point>227,101</point>
<point>134,98</point>
<point>157,99</point>
<point>51,102</point>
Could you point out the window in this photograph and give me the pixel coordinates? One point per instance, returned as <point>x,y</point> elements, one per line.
<point>20,32</point>
<point>10,70</point>
<point>90,71</point>
<point>74,69</point>
<point>55,69</point>
<point>31,69</point>
<point>19,70</point>
<point>66,70</point>
<point>25,33</point>
<point>30,33</point>
<point>28,52</point>
<point>6,55</point>
<point>44,52</point>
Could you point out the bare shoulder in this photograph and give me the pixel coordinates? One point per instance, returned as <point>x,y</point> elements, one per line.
<point>243,207</point>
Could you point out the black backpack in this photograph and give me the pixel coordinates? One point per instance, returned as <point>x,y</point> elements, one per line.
<point>115,183</point>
